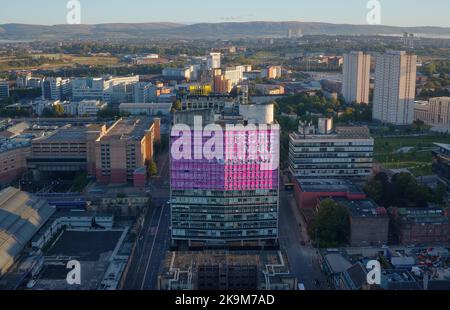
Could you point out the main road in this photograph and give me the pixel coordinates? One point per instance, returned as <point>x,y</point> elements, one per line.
<point>303,258</point>
<point>153,241</point>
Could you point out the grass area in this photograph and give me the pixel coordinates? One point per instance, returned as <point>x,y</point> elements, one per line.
<point>417,160</point>
<point>57,61</point>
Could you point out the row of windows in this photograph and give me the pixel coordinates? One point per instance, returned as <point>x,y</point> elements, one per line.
<point>205,234</point>
<point>225,211</point>
<point>225,225</point>
<point>228,194</point>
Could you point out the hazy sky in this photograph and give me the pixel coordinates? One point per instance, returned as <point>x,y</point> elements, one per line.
<point>394,12</point>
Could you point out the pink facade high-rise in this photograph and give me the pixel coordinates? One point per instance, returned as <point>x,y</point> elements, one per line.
<point>231,200</point>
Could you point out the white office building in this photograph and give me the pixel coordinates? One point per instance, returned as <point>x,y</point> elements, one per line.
<point>178,73</point>
<point>88,89</point>
<point>395,88</point>
<point>27,81</point>
<point>56,88</point>
<point>356,77</point>
<point>214,61</point>
<point>142,92</point>
<point>107,89</point>
<point>147,108</point>
<point>90,108</point>
<point>324,152</point>
<point>234,74</point>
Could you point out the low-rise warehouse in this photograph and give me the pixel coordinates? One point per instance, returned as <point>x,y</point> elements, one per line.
<point>21,216</point>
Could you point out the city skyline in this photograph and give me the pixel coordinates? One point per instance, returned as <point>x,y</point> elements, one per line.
<point>45,12</point>
<point>239,149</point>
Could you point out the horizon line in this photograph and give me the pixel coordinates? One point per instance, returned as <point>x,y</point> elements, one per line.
<point>220,22</point>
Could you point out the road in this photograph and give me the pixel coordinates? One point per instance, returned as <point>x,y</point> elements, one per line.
<point>303,259</point>
<point>154,239</point>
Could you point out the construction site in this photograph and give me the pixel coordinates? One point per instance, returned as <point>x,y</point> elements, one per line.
<point>224,270</point>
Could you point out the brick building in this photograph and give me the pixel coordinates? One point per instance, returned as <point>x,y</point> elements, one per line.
<point>13,164</point>
<point>308,192</point>
<point>67,149</point>
<point>420,226</point>
<point>369,223</point>
<point>124,148</point>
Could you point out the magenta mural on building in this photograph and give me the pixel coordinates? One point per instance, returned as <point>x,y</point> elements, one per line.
<point>249,162</point>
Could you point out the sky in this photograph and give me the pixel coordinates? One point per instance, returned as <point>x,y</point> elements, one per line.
<point>393,12</point>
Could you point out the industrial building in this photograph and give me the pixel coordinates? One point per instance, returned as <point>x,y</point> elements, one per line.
<point>102,253</point>
<point>69,149</point>
<point>21,216</point>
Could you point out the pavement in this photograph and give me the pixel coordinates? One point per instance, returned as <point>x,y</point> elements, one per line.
<point>303,259</point>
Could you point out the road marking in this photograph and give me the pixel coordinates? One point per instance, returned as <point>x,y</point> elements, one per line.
<point>151,250</point>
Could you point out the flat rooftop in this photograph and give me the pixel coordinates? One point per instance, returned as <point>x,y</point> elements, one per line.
<point>93,249</point>
<point>12,144</point>
<point>422,216</point>
<point>131,128</point>
<point>329,185</point>
<point>68,134</point>
<point>365,208</point>
<point>85,245</point>
<point>340,132</point>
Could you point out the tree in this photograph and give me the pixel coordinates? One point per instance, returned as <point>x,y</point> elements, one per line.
<point>440,193</point>
<point>152,168</point>
<point>177,106</point>
<point>402,191</point>
<point>374,189</point>
<point>59,110</point>
<point>331,227</point>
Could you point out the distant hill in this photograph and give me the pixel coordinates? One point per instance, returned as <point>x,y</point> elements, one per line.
<point>202,30</point>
